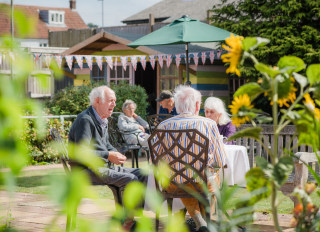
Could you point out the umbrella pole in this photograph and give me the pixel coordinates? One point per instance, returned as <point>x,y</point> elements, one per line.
<point>188,82</point>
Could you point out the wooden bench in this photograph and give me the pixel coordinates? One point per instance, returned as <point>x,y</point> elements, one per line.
<point>287,139</point>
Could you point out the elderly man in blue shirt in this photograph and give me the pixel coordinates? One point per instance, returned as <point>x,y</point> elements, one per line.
<point>166,101</point>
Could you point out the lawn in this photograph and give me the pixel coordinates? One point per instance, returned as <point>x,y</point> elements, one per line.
<point>36,181</point>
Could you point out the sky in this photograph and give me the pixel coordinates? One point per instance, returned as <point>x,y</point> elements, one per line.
<point>91,10</point>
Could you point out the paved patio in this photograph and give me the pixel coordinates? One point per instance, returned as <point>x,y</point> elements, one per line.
<point>34,212</point>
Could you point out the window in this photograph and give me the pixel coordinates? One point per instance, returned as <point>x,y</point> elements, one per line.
<point>169,77</point>
<point>114,75</point>
<point>56,17</point>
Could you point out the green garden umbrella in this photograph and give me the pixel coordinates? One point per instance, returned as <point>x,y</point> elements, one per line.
<point>183,31</point>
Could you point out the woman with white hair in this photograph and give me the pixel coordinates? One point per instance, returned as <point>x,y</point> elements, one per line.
<point>132,125</point>
<point>215,109</point>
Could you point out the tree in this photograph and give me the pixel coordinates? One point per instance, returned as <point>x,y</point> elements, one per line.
<point>92,25</point>
<point>292,26</point>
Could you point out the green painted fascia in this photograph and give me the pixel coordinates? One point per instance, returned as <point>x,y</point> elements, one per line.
<point>214,80</point>
<point>83,77</point>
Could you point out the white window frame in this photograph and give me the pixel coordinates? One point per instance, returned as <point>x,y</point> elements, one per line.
<point>56,15</point>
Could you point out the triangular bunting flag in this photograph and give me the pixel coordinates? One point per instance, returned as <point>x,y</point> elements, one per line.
<point>203,57</point>
<point>69,60</point>
<point>169,60</point>
<point>36,56</point>
<point>211,57</point>
<point>195,58</point>
<point>219,54</point>
<point>48,60</point>
<point>79,60</point>
<point>134,62</point>
<point>99,60</point>
<point>178,59</point>
<point>160,60</point>
<point>124,62</point>
<point>152,60</point>
<point>115,62</point>
<point>89,60</point>
<point>58,60</point>
<point>109,61</point>
<point>143,60</point>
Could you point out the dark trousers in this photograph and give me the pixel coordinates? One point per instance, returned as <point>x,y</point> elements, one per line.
<point>121,176</point>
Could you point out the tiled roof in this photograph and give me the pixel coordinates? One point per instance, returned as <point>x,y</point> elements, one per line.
<point>72,20</point>
<point>174,9</point>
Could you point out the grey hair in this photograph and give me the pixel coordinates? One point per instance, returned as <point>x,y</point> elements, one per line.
<point>127,103</point>
<point>219,106</point>
<point>185,99</point>
<point>98,92</point>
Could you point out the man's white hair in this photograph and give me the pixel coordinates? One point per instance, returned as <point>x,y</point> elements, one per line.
<point>218,105</point>
<point>185,99</point>
<point>98,92</point>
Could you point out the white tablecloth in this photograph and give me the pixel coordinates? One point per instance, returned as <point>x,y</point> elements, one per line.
<point>238,165</point>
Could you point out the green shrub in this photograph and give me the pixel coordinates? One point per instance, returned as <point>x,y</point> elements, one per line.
<point>73,100</point>
<point>134,92</point>
<point>39,146</point>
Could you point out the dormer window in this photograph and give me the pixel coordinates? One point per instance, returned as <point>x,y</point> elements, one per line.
<point>56,17</point>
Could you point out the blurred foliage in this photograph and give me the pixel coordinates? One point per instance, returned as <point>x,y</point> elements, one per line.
<point>39,147</point>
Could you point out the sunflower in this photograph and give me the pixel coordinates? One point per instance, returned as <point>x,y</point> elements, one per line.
<point>309,103</point>
<point>288,93</point>
<point>235,51</point>
<point>241,103</point>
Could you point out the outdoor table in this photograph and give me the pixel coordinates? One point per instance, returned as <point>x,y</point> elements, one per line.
<point>237,166</point>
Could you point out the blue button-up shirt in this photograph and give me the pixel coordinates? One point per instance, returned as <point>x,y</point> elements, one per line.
<point>103,122</point>
<point>165,111</point>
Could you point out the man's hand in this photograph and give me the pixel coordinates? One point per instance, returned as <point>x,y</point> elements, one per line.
<point>116,157</point>
<point>141,128</point>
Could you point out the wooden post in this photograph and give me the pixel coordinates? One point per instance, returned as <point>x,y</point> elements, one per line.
<point>151,22</point>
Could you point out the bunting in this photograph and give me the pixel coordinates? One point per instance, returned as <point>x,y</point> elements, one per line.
<point>58,60</point>
<point>143,60</point>
<point>69,60</point>
<point>99,61</point>
<point>134,62</point>
<point>219,54</point>
<point>211,57</point>
<point>124,62</point>
<point>195,58</point>
<point>79,60</point>
<point>169,60</point>
<point>48,60</point>
<point>203,57</point>
<point>152,60</point>
<point>35,55</point>
<point>178,60</point>
<point>109,61</point>
<point>160,60</point>
<point>115,61</point>
<point>89,60</point>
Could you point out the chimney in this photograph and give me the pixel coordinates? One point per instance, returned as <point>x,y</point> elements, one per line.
<point>72,4</point>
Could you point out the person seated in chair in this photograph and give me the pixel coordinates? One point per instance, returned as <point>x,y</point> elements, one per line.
<point>214,108</point>
<point>188,101</point>
<point>166,103</point>
<point>132,126</point>
<point>91,128</point>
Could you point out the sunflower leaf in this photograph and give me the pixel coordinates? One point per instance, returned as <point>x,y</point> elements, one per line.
<point>302,80</point>
<point>291,64</point>
<point>252,89</point>
<point>313,73</point>
<point>266,69</point>
<point>252,132</point>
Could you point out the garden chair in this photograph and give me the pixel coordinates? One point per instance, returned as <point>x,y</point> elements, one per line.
<point>159,150</point>
<point>95,180</point>
<point>117,140</point>
<point>154,120</point>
